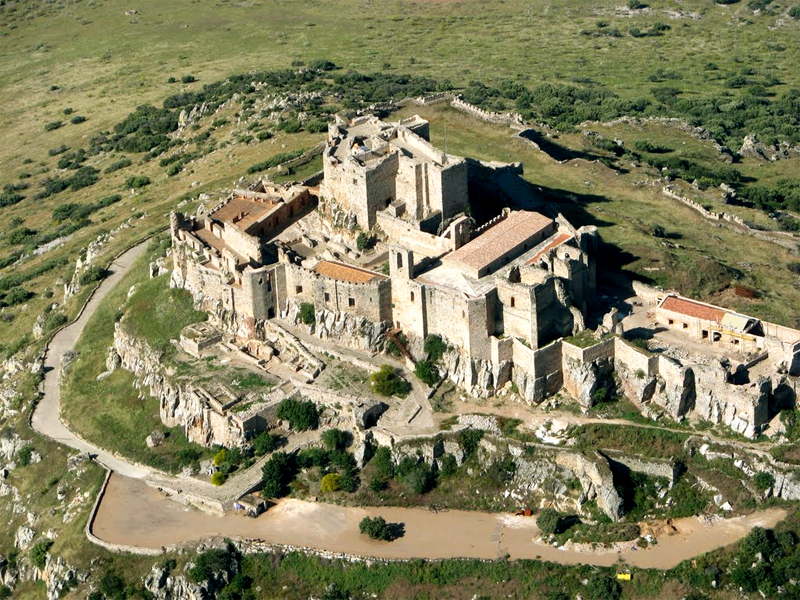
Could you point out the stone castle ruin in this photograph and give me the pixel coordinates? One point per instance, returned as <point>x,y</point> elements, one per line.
<point>506,297</point>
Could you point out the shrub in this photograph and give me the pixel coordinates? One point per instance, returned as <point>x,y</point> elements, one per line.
<point>448,465</point>
<point>377,483</point>
<point>276,475</point>
<point>386,382</point>
<point>77,119</point>
<point>209,564</point>
<point>550,521</point>
<point>420,478</point>
<point>763,480</point>
<point>469,439</point>
<point>427,372</point>
<point>16,295</point>
<point>137,181</point>
<point>21,235</point>
<point>188,79</point>
<point>335,439</point>
<point>53,125</point>
<point>795,12</point>
<point>382,461</point>
<point>603,587</point>
<point>435,347</point>
<point>307,315</point>
<point>365,242</point>
<point>38,554</point>
<point>218,478</point>
<point>220,457</point>
<point>264,443</point>
<point>24,455</point>
<point>301,414</point>
<point>92,274</point>
<point>117,165</point>
<point>330,483</point>
<point>377,529</point>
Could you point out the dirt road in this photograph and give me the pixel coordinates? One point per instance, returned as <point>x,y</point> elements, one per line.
<point>134,514</point>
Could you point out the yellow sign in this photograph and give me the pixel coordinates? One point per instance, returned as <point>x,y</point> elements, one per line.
<point>624,576</point>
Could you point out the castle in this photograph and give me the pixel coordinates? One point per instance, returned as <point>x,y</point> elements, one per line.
<point>502,296</point>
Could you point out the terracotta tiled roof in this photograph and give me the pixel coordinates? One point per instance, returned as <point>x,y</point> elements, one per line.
<point>692,308</point>
<point>243,211</point>
<point>343,272</point>
<point>497,240</point>
<point>554,243</point>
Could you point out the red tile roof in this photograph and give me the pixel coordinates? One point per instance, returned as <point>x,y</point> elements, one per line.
<point>343,272</point>
<point>692,308</point>
<point>493,243</point>
<point>557,241</point>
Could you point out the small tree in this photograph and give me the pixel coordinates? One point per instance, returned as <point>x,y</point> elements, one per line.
<point>301,414</point>
<point>387,382</point>
<point>218,478</point>
<point>264,443</point>
<point>549,521</point>
<point>307,315</point>
<point>435,347</point>
<point>382,461</point>
<point>330,483</point>
<point>335,439</point>
<point>469,439</point>
<point>602,587</point>
<point>220,457</point>
<point>365,241</point>
<point>39,552</point>
<point>377,529</point>
<point>427,372</point>
<point>277,474</point>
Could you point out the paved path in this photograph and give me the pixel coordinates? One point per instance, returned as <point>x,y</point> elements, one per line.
<point>46,418</point>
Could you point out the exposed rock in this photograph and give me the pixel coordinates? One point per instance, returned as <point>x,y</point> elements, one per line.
<point>155,439</point>
<point>24,537</point>
<point>753,148</point>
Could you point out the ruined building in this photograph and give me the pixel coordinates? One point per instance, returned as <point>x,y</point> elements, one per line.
<point>522,278</point>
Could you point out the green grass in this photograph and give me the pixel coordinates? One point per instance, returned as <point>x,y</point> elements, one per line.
<point>110,413</point>
<point>157,313</point>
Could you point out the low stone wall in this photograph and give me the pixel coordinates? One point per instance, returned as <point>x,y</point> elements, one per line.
<point>668,469</point>
<point>108,545</point>
<point>633,359</point>
<point>486,115</point>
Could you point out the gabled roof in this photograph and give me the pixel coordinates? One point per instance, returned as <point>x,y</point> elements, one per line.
<point>343,272</point>
<point>692,308</point>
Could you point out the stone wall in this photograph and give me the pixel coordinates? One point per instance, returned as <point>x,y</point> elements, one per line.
<point>418,241</point>
<point>537,373</point>
<point>587,370</point>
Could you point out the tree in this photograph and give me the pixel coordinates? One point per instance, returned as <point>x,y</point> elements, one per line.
<point>39,552</point>
<point>434,347</point>
<point>265,442</point>
<point>377,529</point>
<point>549,521</point>
<point>330,483</point>
<point>427,372</point>
<point>218,478</point>
<point>220,457</point>
<point>335,439</point>
<point>301,414</point>
<point>364,241</point>
<point>386,382</point>
<point>382,461</point>
<point>276,475</point>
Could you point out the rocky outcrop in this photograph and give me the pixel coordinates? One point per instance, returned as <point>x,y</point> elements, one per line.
<point>597,480</point>
<point>752,148</point>
<point>165,586</point>
<point>349,330</point>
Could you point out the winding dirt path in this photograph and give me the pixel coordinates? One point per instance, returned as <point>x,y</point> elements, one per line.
<point>134,514</point>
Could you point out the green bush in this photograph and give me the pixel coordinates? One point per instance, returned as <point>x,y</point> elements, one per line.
<point>24,455</point>
<point>301,414</point>
<point>335,439</point>
<point>210,564</point>
<point>119,164</point>
<point>330,483</point>
<point>377,529</point>
<point>795,11</point>
<point>188,79</point>
<point>276,475</point>
<point>603,587</point>
<point>137,181</point>
<point>435,347</point>
<point>92,274</point>
<point>38,554</point>
<point>307,315</point>
<point>469,439</point>
<point>77,120</point>
<point>550,521</point>
<point>218,478</point>
<point>365,241</point>
<point>386,382</point>
<point>16,295</point>
<point>53,125</point>
<point>427,372</point>
<point>382,462</point>
<point>264,443</point>
<point>763,480</point>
